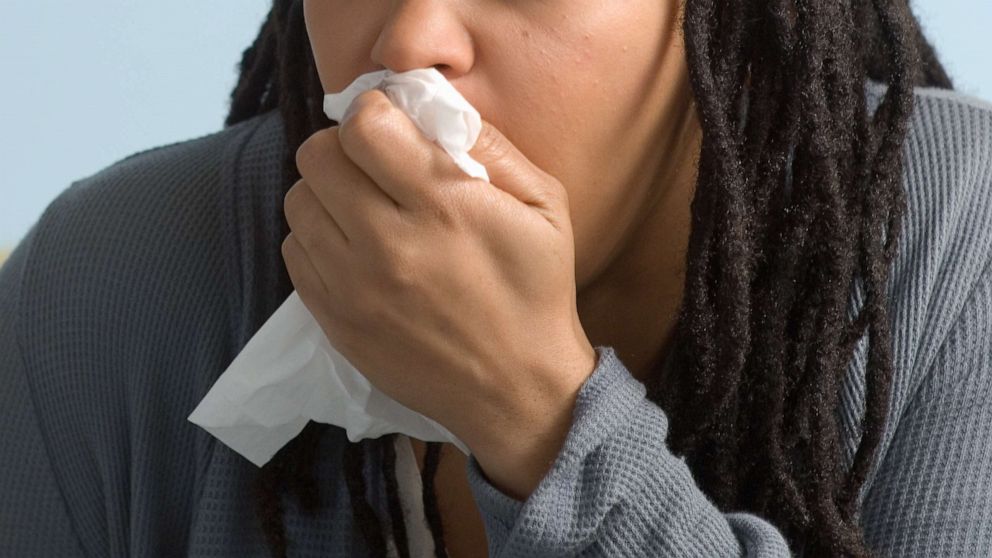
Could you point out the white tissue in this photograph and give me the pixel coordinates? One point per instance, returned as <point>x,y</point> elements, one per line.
<point>434,105</point>
<point>288,373</point>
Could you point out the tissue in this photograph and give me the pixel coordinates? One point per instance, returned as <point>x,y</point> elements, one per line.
<point>288,373</point>
<point>434,105</point>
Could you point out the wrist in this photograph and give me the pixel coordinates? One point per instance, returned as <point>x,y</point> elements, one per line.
<point>516,454</point>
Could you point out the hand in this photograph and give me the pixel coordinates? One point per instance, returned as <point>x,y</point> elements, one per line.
<point>454,296</point>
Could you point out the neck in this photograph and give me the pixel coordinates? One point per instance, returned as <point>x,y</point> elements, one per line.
<point>633,305</point>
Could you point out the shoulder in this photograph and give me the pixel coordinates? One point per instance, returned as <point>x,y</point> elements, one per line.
<point>945,247</point>
<point>123,301</point>
<point>142,233</point>
<point>155,196</point>
<point>128,288</point>
<point>948,158</point>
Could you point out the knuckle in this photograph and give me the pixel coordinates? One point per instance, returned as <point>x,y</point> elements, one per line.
<point>307,236</point>
<point>563,199</point>
<point>548,198</point>
<point>491,144</point>
<point>449,204</point>
<point>313,149</point>
<point>400,273</point>
<point>304,155</point>
<point>305,231</point>
<point>290,250</point>
<point>297,204</point>
<point>291,200</point>
<point>367,122</point>
<point>286,248</point>
<point>557,196</point>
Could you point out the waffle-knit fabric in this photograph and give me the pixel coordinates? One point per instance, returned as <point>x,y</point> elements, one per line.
<point>139,284</point>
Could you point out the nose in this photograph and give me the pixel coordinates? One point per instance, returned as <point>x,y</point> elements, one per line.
<point>424,34</point>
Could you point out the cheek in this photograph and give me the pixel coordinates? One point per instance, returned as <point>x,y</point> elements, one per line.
<point>580,82</point>
<point>342,33</point>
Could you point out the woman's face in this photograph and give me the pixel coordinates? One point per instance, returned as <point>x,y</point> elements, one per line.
<point>592,91</point>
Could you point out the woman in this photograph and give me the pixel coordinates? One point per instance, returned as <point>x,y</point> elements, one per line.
<point>727,295</point>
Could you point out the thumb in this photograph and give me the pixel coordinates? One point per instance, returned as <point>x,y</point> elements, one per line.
<point>511,171</point>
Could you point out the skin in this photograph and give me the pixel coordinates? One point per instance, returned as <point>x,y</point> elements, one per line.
<point>591,140</point>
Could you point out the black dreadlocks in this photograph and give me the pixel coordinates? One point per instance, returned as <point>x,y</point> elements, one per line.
<point>762,340</point>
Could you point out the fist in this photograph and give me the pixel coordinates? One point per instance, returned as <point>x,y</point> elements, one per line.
<point>454,296</point>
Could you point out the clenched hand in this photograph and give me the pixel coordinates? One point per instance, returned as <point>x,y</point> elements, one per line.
<point>454,296</point>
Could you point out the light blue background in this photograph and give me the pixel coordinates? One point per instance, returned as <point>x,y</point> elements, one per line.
<point>88,83</point>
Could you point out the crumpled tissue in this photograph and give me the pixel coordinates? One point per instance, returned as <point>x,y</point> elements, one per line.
<point>288,373</point>
<point>434,105</point>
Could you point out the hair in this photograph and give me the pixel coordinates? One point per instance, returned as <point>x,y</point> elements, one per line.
<point>762,340</point>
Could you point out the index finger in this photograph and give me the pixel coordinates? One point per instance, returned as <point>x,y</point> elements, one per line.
<point>382,140</point>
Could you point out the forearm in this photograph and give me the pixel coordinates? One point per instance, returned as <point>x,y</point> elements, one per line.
<point>616,490</point>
